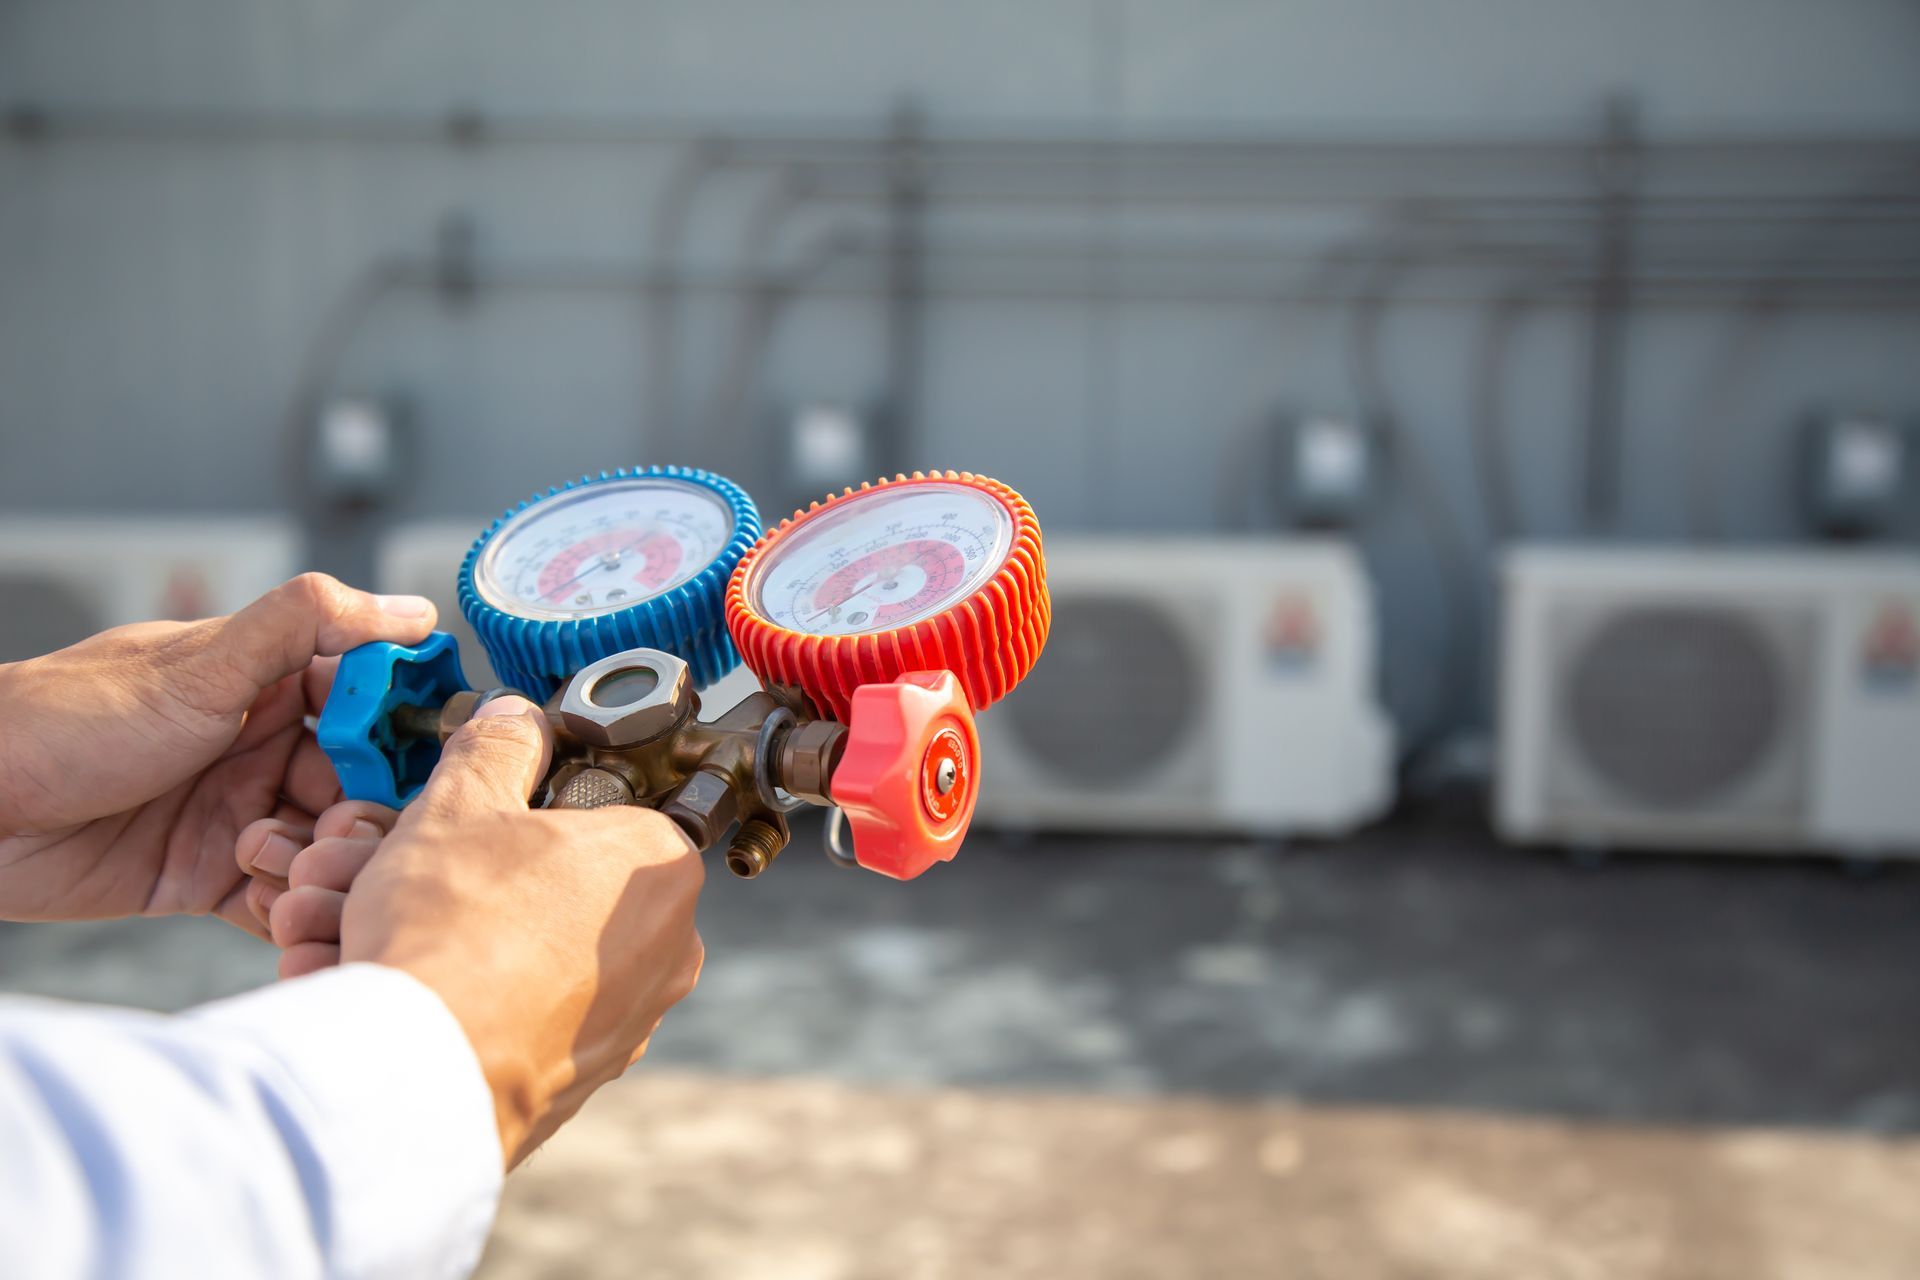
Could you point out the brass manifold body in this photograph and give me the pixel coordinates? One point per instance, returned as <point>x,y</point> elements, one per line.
<point>626,730</point>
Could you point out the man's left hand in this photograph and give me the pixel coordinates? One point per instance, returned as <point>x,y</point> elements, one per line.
<point>131,761</point>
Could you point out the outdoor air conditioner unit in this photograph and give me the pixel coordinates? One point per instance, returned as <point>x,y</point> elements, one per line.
<point>1196,685</point>
<point>1734,700</point>
<point>62,578</point>
<point>423,558</point>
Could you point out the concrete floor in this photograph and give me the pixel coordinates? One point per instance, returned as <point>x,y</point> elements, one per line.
<point>1411,1054</point>
<point>702,1178</point>
<point>1418,964</point>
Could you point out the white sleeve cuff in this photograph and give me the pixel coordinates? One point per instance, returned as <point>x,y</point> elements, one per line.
<point>400,1114</point>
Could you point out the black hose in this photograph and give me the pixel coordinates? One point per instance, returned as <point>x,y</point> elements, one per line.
<point>720,420</point>
<point>1448,542</point>
<point>666,230</point>
<point>1492,443</point>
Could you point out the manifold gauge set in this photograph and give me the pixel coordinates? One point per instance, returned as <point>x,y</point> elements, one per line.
<point>877,621</point>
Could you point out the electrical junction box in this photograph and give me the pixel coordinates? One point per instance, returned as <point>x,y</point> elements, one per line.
<point>1860,473</point>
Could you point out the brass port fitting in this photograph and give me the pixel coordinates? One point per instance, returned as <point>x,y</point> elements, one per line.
<point>754,848</point>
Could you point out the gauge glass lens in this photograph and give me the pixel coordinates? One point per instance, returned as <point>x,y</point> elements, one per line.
<point>883,559</point>
<point>603,547</point>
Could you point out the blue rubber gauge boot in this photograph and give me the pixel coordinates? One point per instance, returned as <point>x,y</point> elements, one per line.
<point>360,730</point>
<point>624,560</point>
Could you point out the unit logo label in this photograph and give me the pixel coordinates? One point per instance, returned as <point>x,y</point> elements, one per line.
<point>1890,650</point>
<point>1292,634</point>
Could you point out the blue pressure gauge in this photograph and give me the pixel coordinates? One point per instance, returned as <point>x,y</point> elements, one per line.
<point>622,560</point>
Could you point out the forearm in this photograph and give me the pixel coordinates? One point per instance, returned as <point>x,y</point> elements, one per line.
<point>337,1125</point>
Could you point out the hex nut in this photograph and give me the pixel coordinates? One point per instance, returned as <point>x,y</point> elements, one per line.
<point>632,711</point>
<point>705,805</point>
<point>808,757</point>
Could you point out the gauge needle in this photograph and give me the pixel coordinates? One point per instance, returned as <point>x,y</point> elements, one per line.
<point>834,608</point>
<point>599,562</point>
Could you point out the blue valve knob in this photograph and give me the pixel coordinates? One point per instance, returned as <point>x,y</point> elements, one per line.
<point>375,760</point>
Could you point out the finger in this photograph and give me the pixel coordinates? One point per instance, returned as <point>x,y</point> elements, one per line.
<point>316,682</point>
<point>283,631</point>
<point>311,781</point>
<point>492,762</point>
<point>237,909</point>
<point>276,710</point>
<point>359,819</point>
<point>308,957</point>
<point>306,915</point>
<point>260,896</point>
<point>266,848</point>
<point>331,863</point>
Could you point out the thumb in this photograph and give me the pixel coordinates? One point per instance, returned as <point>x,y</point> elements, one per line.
<point>311,616</point>
<point>492,762</point>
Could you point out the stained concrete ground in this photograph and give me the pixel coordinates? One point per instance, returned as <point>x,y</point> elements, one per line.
<point>1410,1054</point>
<point>679,1175</point>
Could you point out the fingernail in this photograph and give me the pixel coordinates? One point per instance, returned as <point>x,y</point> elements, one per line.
<point>276,856</point>
<point>364,830</point>
<point>505,705</point>
<point>268,896</point>
<point>405,606</point>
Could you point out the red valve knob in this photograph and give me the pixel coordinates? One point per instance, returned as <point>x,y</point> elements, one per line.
<point>910,774</point>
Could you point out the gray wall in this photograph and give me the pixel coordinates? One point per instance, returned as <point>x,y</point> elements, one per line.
<point>162,291</point>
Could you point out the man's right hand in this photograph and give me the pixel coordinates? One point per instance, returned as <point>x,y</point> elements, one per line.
<point>557,939</point>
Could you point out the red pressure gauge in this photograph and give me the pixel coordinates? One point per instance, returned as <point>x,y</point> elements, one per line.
<point>899,608</point>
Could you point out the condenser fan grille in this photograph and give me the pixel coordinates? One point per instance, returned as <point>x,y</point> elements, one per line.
<point>1114,696</point>
<point>1674,706</point>
<point>39,614</point>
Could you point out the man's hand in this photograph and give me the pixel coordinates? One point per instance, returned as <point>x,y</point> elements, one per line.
<point>557,938</point>
<point>129,762</point>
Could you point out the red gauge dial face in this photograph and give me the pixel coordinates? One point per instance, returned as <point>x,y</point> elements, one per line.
<point>896,584</point>
<point>883,559</point>
<point>602,547</point>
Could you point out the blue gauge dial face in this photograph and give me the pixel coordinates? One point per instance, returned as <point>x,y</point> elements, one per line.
<point>602,547</point>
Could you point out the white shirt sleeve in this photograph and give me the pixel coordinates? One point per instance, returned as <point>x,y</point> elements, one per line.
<point>337,1125</point>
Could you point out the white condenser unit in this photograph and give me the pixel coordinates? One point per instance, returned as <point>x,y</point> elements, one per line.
<point>1196,685</point>
<point>423,558</point>
<point>1727,700</point>
<point>64,578</point>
